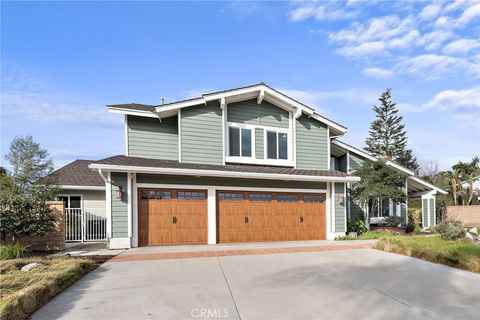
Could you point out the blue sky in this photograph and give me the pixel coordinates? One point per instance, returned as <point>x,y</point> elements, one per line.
<point>62,62</point>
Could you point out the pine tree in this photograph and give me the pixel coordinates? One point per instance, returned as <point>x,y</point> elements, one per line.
<point>387,135</point>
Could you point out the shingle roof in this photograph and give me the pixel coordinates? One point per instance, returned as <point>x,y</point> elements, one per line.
<point>134,106</point>
<point>121,160</point>
<point>77,173</point>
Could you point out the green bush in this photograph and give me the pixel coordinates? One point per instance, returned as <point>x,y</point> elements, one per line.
<point>450,229</point>
<point>357,226</point>
<point>392,221</point>
<point>13,250</point>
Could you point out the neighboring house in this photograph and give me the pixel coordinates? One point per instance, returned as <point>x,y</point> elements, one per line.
<point>246,164</point>
<point>83,194</point>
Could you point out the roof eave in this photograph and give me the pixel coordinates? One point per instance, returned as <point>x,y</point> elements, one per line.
<point>216,173</point>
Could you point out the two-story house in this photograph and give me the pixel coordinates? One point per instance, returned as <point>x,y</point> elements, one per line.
<point>243,165</point>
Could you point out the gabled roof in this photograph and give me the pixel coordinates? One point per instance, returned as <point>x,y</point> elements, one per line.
<point>122,163</point>
<point>77,175</point>
<point>260,91</point>
<point>415,184</point>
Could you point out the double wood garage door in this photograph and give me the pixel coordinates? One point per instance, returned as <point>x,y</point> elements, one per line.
<point>168,216</point>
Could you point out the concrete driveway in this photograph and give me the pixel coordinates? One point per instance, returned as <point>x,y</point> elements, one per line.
<point>333,284</point>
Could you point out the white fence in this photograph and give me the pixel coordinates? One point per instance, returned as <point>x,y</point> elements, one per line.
<point>85,224</point>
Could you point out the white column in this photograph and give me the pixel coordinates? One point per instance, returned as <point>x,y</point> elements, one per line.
<point>129,203</point>
<point>108,205</point>
<point>212,216</point>
<point>134,211</point>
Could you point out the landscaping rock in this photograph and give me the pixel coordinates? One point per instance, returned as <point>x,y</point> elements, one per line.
<point>30,266</point>
<point>469,236</point>
<point>474,230</point>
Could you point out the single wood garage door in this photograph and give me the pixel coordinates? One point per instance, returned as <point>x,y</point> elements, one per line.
<point>270,216</point>
<point>170,216</point>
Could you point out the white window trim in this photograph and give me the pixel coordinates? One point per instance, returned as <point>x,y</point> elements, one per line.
<point>252,160</point>
<point>241,126</point>
<point>68,195</point>
<point>277,131</point>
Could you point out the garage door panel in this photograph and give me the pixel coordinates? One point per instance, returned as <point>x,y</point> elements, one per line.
<point>271,217</point>
<point>169,216</point>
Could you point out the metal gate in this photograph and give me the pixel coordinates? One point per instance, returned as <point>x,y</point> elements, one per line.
<point>85,225</point>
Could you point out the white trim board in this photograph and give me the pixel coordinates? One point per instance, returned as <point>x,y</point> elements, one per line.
<point>220,173</point>
<point>234,188</point>
<point>70,187</point>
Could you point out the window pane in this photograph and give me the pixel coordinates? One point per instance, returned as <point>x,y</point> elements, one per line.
<point>234,141</point>
<point>188,195</point>
<point>246,143</point>
<point>287,198</point>
<point>312,198</point>
<point>260,196</point>
<point>230,196</point>
<point>282,146</point>
<point>271,145</point>
<point>75,202</point>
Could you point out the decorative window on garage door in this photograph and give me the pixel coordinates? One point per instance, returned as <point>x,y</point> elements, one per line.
<point>224,196</point>
<point>191,195</point>
<point>157,195</point>
<point>260,196</point>
<point>312,198</point>
<point>287,197</point>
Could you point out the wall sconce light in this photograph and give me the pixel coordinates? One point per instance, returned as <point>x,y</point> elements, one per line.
<point>341,199</point>
<point>118,193</point>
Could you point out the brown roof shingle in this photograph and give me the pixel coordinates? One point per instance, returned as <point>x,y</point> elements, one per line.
<point>121,160</point>
<point>77,173</point>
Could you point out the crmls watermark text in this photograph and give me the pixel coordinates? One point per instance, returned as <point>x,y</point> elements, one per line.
<point>207,313</point>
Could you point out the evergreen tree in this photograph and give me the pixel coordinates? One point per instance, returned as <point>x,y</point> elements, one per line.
<point>387,135</point>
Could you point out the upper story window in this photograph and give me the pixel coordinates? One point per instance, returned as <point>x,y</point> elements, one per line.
<point>277,145</point>
<point>240,142</point>
<point>258,144</point>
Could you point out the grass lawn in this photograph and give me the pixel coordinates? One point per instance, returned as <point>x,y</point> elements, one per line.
<point>24,292</point>
<point>460,254</point>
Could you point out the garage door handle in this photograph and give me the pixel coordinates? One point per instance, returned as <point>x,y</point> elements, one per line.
<point>246,219</point>
<point>301,219</point>
<point>174,220</point>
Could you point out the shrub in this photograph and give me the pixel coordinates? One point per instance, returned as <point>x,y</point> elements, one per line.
<point>13,250</point>
<point>357,226</point>
<point>413,220</point>
<point>450,229</point>
<point>392,221</point>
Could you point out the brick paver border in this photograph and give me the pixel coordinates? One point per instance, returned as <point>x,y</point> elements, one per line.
<point>234,252</point>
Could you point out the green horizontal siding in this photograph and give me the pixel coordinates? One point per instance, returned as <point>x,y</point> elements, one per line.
<point>312,144</point>
<point>201,134</point>
<point>265,114</point>
<point>119,206</point>
<point>339,208</point>
<point>213,181</point>
<point>148,138</point>
<point>355,161</point>
<point>259,143</point>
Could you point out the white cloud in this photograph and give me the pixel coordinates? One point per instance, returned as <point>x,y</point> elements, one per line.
<point>329,10</point>
<point>431,66</point>
<point>434,40</point>
<point>469,14</point>
<point>461,46</point>
<point>54,109</point>
<point>459,100</point>
<point>426,40</point>
<point>429,12</point>
<point>378,73</point>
